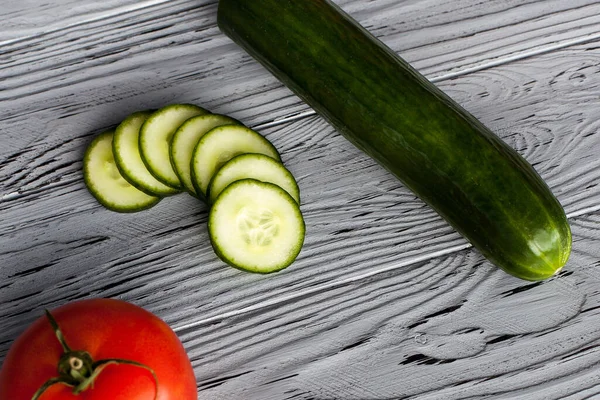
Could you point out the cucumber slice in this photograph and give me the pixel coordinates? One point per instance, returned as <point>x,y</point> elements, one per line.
<point>105,183</point>
<point>255,166</point>
<point>220,145</point>
<point>256,227</point>
<point>155,140</point>
<point>129,161</point>
<point>186,138</point>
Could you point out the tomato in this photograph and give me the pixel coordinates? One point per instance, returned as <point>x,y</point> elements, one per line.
<point>106,329</point>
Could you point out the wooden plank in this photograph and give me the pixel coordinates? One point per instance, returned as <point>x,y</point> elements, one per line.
<point>28,18</point>
<point>533,18</point>
<point>59,244</point>
<point>521,105</point>
<point>451,328</point>
<point>172,51</point>
<point>480,33</point>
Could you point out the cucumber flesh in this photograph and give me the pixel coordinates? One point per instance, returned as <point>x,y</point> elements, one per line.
<point>155,140</point>
<point>254,166</point>
<point>256,227</point>
<point>129,161</point>
<point>220,145</point>
<point>186,138</point>
<point>105,183</point>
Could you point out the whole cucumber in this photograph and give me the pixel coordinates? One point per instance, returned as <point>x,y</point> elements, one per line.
<point>474,180</point>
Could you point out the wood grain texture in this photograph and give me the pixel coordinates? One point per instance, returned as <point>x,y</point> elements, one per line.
<point>172,51</point>
<point>27,18</point>
<point>59,245</point>
<point>451,328</point>
<point>386,300</point>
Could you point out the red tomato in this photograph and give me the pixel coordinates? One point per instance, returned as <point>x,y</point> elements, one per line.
<point>106,329</point>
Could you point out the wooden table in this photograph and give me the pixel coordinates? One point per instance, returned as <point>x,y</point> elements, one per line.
<point>385,300</point>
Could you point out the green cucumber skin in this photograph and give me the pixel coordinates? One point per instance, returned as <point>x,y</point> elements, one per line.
<point>474,180</point>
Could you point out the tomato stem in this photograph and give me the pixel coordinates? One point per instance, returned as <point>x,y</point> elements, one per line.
<point>77,365</point>
<point>78,370</point>
<point>58,332</point>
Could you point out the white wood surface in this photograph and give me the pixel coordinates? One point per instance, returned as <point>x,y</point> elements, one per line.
<point>385,301</point>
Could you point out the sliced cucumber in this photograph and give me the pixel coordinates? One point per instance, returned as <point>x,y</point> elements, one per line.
<point>220,145</point>
<point>186,138</point>
<point>105,183</point>
<point>254,166</point>
<point>256,226</point>
<point>129,161</point>
<point>155,140</point>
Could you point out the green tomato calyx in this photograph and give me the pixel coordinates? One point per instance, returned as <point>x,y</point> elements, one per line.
<point>78,370</point>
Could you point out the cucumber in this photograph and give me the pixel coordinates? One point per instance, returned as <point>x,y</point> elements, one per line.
<point>255,166</point>
<point>104,181</point>
<point>155,139</point>
<point>474,180</point>
<point>256,227</point>
<point>186,138</point>
<point>127,156</point>
<point>220,145</point>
